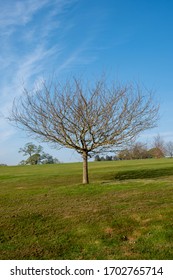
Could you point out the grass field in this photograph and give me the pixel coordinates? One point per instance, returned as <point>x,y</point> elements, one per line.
<point>126,212</point>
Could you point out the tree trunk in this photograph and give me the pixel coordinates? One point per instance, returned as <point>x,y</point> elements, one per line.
<point>85,168</point>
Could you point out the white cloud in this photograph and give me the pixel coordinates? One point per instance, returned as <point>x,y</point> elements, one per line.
<point>33,63</point>
<point>14,13</point>
<point>6,130</point>
<point>21,12</point>
<point>19,68</point>
<point>33,48</point>
<point>26,71</point>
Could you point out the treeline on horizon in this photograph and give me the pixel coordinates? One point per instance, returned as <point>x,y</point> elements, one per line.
<point>138,150</point>
<point>158,149</point>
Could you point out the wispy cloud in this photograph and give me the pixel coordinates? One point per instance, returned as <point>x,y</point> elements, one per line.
<point>37,38</point>
<point>14,13</point>
<point>25,53</point>
<point>34,63</point>
<point>77,58</point>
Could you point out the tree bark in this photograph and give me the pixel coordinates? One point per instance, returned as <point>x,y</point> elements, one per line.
<point>85,168</point>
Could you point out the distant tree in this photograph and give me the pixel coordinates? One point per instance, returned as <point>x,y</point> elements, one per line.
<point>97,158</point>
<point>48,159</point>
<point>102,158</point>
<point>36,155</point>
<point>124,154</point>
<point>169,149</point>
<point>87,118</point>
<point>155,153</point>
<point>139,151</point>
<point>108,158</point>
<point>30,149</point>
<point>159,146</point>
<point>33,151</point>
<point>115,157</point>
<point>34,159</point>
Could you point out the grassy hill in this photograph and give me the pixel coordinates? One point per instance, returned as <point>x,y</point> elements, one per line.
<point>126,212</point>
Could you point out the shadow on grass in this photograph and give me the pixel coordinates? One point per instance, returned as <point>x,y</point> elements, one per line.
<point>143,174</point>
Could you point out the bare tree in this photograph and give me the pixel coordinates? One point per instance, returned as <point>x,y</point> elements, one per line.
<point>87,118</point>
<point>159,146</point>
<point>169,149</point>
<point>139,150</point>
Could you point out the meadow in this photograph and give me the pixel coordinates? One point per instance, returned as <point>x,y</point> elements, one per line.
<point>126,212</point>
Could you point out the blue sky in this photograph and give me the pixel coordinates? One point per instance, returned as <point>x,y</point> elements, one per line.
<point>128,39</point>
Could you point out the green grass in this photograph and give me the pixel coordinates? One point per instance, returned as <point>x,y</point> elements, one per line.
<point>126,212</point>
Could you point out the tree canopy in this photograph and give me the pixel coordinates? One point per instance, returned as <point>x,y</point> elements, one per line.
<point>36,155</point>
